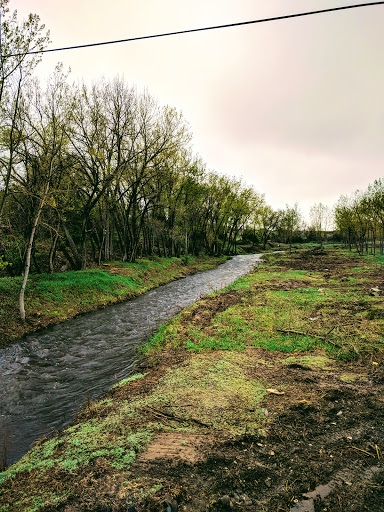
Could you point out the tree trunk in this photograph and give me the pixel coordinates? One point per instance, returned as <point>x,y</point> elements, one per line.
<point>11,148</point>
<point>73,247</point>
<point>52,250</point>
<point>84,245</point>
<point>28,254</point>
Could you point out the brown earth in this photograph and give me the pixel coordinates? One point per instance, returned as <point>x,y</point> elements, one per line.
<point>321,445</point>
<point>320,449</point>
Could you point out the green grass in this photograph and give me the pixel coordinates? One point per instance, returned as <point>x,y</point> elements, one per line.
<point>123,382</point>
<point>274,311</point>
<point>208,342</point>
<point>55,287</point>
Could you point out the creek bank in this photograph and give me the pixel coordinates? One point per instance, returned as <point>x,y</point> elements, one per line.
<point>54,298</point>
<point>223,444</point>
<point>244,429</point>
<point>46,377</point>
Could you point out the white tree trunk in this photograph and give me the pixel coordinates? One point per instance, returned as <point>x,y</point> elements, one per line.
<point>28,254</point>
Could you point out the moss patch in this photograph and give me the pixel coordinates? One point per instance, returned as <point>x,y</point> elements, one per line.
<point>211,387</point>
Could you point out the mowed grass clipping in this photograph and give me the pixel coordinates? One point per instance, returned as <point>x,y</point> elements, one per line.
<point>287,309</point>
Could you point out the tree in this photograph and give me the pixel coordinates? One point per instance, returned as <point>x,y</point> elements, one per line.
<point>16,41</point>
<point>102,168</point>
<point>290,223</point>
<point>42,121</point>
<point>360,218</point>
<point>267,221</point>
<point>321,220</point>
<point>344,220</point>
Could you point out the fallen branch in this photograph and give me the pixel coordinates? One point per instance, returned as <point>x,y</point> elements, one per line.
<point>290,331</point>
<point>329,332</point>
<point>158,415</point>
<point>299,333</point>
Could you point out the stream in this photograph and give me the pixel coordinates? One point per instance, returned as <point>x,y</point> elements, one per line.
<point>48,376</point>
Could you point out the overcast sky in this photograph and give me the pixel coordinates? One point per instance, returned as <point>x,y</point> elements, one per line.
<point>294,107</point>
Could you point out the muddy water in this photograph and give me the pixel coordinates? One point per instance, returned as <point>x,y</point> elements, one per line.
<point>48,376</point>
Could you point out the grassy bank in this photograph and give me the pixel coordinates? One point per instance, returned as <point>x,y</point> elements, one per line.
<point>53,298</point>
<point>296,302</point>
<point>251,399</point>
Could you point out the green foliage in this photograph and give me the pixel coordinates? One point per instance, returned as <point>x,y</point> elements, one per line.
<point>240,284</point>
<point>3,263</point>
<point>186,258</point>
<point>51,286</point>
<point>155,341</point>
<point>10,285</point>
<point>164,334</point>
<point>69,464</point>
<point>210,343</point>
<point>289,343</point>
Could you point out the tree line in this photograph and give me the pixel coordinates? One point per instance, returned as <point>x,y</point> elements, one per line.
<point>360,219</point>
<point>100,172</point>
<point>103,171</point>
<point>91,173</point>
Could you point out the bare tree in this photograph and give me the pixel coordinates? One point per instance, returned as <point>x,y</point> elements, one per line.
<point>321,220</point>
<point>16,40</point>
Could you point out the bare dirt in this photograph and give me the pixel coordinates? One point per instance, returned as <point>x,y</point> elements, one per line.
<point>320,449</point>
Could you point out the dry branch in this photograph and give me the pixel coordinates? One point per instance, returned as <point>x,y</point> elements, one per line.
<point>299,333</point>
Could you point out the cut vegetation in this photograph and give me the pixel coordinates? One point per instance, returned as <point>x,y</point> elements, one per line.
<point>266,396</point>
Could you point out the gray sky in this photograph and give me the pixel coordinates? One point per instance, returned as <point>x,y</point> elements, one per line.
<point>295,107</point>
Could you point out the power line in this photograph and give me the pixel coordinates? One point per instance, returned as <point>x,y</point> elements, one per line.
<point>190,31</point>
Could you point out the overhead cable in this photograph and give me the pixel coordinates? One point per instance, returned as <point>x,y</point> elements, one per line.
<point>190,31</point>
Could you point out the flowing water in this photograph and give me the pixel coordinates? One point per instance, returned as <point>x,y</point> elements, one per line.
<point>48,376</point>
